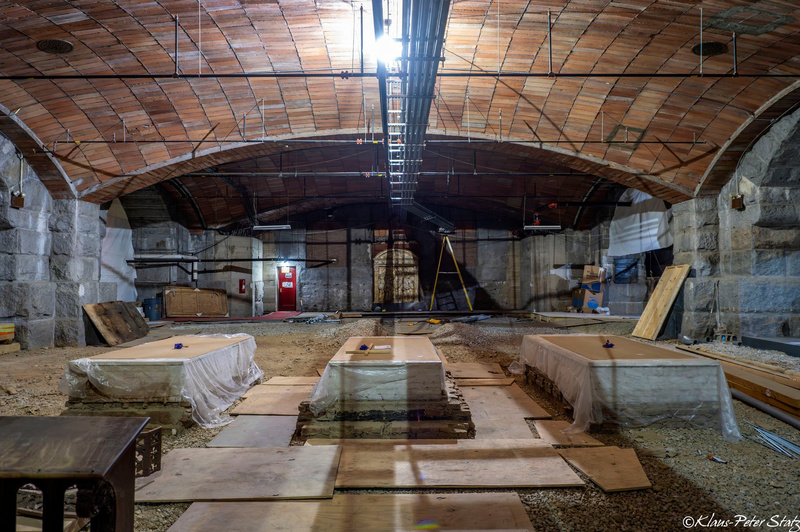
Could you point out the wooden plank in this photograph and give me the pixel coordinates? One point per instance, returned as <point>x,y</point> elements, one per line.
<point>9,348</point>
<point>502,402</point>
<point>117,321</point>
<point>783,376</point>
<point>468,464</point>
<point>257,431</point>
<point>288,389</point>
<point>611,468</point>
<point>508,381</point>
<point>193,346</point>
<point>222,474</point>
<point>657,309</point>
<point>273,404</point>
<point>32,524</point>
<point>292,381</point>
<point>348,512</point>
<point>320,371</point>
<point>474,370</point>
<point>551,432</point>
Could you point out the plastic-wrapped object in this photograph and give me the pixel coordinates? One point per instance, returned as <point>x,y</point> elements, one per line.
<point>210,378</point>
<point>635,392</point>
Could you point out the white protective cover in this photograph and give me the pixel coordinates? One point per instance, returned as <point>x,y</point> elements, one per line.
<point>585,386</point>
<point>210,382</point>
<point>116,250</point>
<point>644,226</point>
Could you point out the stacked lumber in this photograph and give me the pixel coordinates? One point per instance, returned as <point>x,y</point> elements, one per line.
<point>769,384</point>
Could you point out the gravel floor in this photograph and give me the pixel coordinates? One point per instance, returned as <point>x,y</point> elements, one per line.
<point>755,482</point>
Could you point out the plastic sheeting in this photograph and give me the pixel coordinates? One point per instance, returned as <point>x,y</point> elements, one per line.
<point>385,381</point>
<point>210,382</point>
<point>592,388</point>
<point>116,250</point>
<point>644,226</point>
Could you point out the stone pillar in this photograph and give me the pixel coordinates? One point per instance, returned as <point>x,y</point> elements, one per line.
<point>27,296</point>
<point>696,230</point>
<point>74,266</point>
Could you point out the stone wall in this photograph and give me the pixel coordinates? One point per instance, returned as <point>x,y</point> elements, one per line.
<point>751,256</point>
<point>49,259</point>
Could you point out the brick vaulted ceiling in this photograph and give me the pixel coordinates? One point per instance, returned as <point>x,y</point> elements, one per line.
<point>626,102</point>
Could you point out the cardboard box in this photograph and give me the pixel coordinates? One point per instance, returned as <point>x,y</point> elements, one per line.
<point>585,300</point>
<point>593,278</point>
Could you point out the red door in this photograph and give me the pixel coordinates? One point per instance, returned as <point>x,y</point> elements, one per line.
<point>287,287</point>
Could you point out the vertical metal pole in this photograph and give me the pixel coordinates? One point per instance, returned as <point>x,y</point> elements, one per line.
<point>124,131</point>
<point>735,57</point>
<point>176,46</point>
<point>701,41</point>
<point>469,138</point>
<point>549,44</point>
<point>244,127</point>
<point>372,123</point>
<point>263,121</point>
<point>364,106</point>
<point>500,134</point>
<point>199,40</point>
<point>498,36</point>
<point>362,39</point>
<point>602,125</point>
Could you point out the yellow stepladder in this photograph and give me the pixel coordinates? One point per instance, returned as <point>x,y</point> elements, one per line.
<point>446,240</point>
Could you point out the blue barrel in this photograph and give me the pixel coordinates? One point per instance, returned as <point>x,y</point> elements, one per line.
<point>152,308</point>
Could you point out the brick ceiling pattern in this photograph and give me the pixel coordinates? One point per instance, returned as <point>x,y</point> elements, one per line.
<point>637,131</point>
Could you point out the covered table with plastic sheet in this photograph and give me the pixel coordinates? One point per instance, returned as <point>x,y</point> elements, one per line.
<point>210,372</point>
<point>630,383</point>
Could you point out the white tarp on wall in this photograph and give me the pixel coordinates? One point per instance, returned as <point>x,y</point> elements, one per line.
<point>644,226</point>
<point>117,248</point>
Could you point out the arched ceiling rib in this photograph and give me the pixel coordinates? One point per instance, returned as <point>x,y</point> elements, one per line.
<point>634,130</point>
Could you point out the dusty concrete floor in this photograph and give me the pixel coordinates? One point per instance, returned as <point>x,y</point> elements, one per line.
<point>756,482</point>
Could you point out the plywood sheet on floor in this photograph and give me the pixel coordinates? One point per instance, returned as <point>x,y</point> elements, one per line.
<point>292,381</point>
<point>502,402</point>
<point>506,381</point>
<point>374,512</point>
<point>502,429</point>
<point>272,404</point>
<point>279,389</point>
<point>551,432</point>
<point>224,474</point>
<point>257,431</point>
<point>611,468</point>
<point>474,370</point>
<point>468,464</point>
<point>117,321</point>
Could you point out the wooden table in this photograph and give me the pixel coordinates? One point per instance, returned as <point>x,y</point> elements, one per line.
<point>96,454</point>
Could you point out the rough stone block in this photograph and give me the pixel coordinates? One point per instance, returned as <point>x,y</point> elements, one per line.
<point>769,295</point>
<point>706,239</point>
<point>63,244</point>
<point>705,264</point>
<point>88,245</point>
<point>24,268</point>
<point>742,238</point>
<point>34,242</point>
<point>773,238</point>
<point>768,262</point>
<point>728,295</point>
<point>72,269</point>
<point>698,294</point>
<point>760,324</point>
<point>107,292</point>
<point>779,215</point>
<point>741,262</point>
<point>27,300</point>
<point>69,332</point>
<point>793,263</point>
<point>695,325</point>
<point>64,217</point>
<point>33,334</point>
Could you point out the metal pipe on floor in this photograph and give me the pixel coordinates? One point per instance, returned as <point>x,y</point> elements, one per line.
<point>767,409</point>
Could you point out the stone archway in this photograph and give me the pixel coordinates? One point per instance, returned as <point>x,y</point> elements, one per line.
<point>395,274</point>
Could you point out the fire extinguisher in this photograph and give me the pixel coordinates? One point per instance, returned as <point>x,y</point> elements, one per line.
<point>242,286</point>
